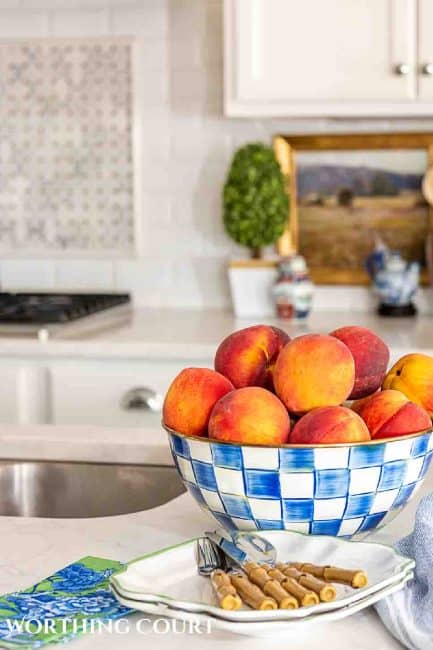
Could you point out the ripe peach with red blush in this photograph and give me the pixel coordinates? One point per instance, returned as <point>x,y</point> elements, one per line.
<point>371,356</point>
<point>247,357</point>
<point>314,370</point>
<point>329,425</point>
<point>250,415</point>
<point>191,398</point>
<point>389,413</point>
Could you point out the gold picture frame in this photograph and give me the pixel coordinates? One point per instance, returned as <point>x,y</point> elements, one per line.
<point>286,149</point>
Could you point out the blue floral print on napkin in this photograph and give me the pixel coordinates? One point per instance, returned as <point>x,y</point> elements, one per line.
<point>62,605</point>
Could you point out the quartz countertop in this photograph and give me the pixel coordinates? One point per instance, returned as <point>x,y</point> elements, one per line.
<point>87,444</point>
<point>194,334</point>
<point>32,549</point>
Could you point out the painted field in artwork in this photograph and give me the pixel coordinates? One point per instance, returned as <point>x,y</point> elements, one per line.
<point>339,236</point>
<point>342,210</point>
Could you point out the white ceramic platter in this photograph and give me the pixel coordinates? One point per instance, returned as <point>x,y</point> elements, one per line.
<point>169,577</point>
<point>259,628</point>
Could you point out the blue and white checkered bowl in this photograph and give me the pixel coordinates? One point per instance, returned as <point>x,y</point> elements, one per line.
<point>340,490</point>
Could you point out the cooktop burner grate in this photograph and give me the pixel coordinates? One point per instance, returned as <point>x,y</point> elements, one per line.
<point>44,308</point>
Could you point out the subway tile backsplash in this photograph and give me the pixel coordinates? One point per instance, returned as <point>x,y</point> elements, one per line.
<point>31,274</point>
<point>82,274</point>
<point>186,145</point>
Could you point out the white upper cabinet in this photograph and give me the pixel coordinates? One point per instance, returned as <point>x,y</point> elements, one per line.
<point>328,57</point>
<point>425,50</point>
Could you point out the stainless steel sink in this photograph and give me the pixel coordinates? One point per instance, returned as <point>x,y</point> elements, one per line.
<point>52,489</point>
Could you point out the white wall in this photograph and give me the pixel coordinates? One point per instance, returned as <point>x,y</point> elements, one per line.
<point>187,146</point>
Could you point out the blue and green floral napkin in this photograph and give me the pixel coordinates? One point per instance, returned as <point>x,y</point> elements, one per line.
<point>61,607</point>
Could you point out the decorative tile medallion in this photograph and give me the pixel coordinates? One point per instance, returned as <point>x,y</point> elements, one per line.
<point>66,168</point>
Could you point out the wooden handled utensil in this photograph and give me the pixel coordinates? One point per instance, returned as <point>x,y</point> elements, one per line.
<point>271,587</point>
<point>356,578</point>
<point>251,594</point>
<point>228,597</point>
<point>324,590</point>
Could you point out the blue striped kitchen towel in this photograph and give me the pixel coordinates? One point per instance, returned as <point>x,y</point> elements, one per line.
<point>408,614</point>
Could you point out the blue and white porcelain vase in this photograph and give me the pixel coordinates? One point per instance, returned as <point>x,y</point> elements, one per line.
<point>395,281</point>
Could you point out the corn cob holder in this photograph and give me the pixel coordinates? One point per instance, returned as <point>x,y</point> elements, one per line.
<point>251,594</point>
<point>271,587</point>
<point>225,592</point>
<point>324,590</point>
<point>354,578</point>
<point>283,586</point>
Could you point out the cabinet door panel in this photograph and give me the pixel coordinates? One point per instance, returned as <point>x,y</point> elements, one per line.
<point>425,49</point>
<point>12,377</point>
<point>23,395</point>
<point>94,392</point>
<point>322,51</point>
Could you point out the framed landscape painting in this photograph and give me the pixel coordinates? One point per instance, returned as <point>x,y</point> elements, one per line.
<point>349,192</point>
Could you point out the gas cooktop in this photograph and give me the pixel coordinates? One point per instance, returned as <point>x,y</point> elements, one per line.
<point>47,313</point>
<point>55,307</point>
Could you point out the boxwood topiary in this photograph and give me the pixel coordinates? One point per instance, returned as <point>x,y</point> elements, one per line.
<point>254,199</point>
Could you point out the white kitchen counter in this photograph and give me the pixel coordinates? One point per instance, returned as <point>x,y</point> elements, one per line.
<point>194,334</point>
<point>32,549</point>
<point>145,446</point>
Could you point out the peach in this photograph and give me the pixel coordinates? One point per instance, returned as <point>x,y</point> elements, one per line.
<point>358,404</point>
<point>371,357</point>
<point>390,413</point>
<point>251,415</point>
<point>247,357</point>
<point>314,370</point>
<point>329,425</point>
<point>413,376</point>
<point>191,398</point>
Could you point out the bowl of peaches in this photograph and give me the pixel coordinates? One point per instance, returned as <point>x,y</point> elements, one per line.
<point>312,434</point>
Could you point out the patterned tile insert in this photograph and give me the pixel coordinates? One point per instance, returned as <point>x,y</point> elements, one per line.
<point>66,169</point>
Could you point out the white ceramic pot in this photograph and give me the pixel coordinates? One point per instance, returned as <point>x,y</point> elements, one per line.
<point>251,288</point>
